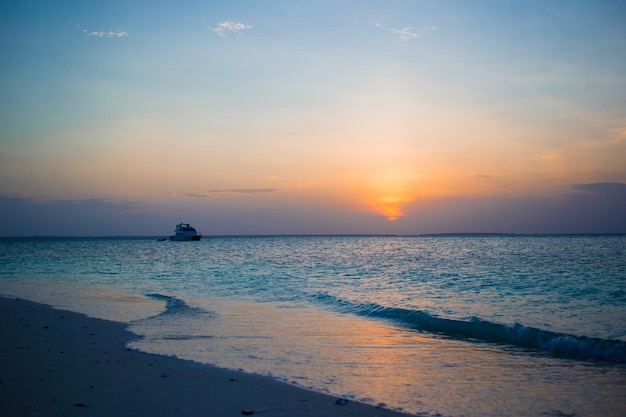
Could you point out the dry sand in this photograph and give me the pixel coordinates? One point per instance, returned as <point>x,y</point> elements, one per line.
<point>60,363</point>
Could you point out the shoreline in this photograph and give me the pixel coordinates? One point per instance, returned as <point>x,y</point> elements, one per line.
<point>61,363</point>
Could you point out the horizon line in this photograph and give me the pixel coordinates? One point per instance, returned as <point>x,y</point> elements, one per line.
<point>445,234</point>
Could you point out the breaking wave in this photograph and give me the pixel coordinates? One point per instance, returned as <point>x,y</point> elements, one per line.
<point>175,306</point>
<point>555,343</point>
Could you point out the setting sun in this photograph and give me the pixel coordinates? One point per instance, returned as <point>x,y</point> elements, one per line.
<point>389,207</point>
<point>388,196</point>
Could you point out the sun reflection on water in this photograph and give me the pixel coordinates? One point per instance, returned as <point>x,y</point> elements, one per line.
<point>364,360</point>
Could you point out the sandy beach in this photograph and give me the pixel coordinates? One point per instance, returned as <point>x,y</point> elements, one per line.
<point>60,363</point>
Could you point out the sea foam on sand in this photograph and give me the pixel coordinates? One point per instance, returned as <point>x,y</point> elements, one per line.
<point>60,363</point>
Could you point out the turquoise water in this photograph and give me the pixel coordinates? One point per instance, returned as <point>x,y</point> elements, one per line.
<point>432,325</point>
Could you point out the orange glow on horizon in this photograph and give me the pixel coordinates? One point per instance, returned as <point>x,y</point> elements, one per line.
<point>389,205</point>
<point>384,191</point>
<point>392,210</point>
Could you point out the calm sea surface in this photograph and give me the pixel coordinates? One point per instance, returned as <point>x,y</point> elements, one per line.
<point>432,325</point>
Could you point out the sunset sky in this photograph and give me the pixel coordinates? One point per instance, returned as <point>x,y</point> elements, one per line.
<point>288,117</point>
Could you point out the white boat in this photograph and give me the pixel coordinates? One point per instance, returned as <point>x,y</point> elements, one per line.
<point>185,232</point>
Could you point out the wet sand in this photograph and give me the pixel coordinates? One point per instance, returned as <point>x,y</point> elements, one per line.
<point>60,363</point>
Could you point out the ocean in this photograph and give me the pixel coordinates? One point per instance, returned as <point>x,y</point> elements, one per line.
<point>448,325</point>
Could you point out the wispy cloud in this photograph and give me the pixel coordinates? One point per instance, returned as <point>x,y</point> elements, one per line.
<point>404,34</point>
<point>109,34</point>
<point>103,34</point>
<point>222,191</point>
<point>407,33</point>
<point>98,204</point>
<point>228,26</point>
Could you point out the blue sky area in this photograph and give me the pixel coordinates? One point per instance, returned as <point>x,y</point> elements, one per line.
<point>296,117</point>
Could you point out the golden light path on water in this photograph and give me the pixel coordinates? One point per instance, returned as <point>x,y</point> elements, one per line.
<point>366,360</point>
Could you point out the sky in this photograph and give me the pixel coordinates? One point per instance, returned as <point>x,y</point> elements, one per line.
<point>312,117</point>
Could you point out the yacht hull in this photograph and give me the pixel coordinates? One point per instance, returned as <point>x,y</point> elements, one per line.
<point>180,238</point>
